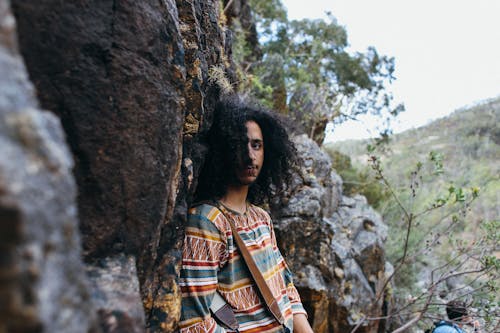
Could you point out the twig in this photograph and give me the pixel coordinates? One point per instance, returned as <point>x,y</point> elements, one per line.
<point>358,325</point>
<point>408,324</point>
<point>229,3</point>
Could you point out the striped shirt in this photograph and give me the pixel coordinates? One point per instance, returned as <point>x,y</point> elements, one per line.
<point>211,262</point>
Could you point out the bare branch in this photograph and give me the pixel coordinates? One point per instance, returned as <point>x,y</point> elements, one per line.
<point>229,3</point>
<point>408,324</point>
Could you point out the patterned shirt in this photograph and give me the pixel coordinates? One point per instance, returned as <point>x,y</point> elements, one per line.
<point>211,262</point>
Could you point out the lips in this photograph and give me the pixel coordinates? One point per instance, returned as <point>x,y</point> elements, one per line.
<point>251,171</point>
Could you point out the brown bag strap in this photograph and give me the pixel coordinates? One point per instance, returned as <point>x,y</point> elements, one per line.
<point>257,276</point>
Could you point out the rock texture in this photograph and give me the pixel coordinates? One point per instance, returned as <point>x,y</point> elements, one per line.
<point>42,279</point>
<point>129,81</point>
<point>334,244</point>
<point>115,294</point>
<point>309,108</point>
<point>92,211</point>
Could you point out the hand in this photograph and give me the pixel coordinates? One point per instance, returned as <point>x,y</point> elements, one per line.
<point>477,326</point>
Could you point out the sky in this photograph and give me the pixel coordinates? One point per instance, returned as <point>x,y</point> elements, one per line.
<point>447,52</point>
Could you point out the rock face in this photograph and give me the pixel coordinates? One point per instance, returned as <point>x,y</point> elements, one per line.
<point>94,192</point>
<point>334,244</point>
<point>42,279</point>
<point>129,81</point>
<point>115,294</point>
<point>309,108</point>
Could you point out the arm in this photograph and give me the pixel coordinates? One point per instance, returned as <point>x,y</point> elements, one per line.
<point>198,277</point>
<point>300,324</point>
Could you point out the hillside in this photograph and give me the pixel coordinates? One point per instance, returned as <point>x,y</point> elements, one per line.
<point>468,141</point>
<point>463,232</point>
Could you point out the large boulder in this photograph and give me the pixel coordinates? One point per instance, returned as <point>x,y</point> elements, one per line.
<point>130,82</point>
<point>43,287</point>
<point>333,244</point>
<point>92,211</point>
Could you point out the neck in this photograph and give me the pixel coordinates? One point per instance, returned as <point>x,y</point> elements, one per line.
<point>236,198</point>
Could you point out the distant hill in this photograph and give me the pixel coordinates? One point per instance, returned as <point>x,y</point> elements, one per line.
<point>467,144</point>
<point>469,141</point>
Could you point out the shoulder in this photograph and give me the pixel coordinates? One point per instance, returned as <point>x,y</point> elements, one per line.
<point>446,327</point>
<point>207,216</point>
<point>259,213</point>
<point>205,210</point>
<point>203,216</point>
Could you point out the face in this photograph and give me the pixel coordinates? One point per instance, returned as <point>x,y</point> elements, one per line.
<point>248,172</point>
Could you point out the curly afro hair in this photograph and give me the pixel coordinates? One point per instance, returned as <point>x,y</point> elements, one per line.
<point>227,140</point>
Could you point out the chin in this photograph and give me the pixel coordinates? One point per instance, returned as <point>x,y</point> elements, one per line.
<point>247,182</point>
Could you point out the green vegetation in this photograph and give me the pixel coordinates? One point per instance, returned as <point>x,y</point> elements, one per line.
<point>357,180</point>
<point>303,68</point>
<point>466,143</point>
<point>444,182</point>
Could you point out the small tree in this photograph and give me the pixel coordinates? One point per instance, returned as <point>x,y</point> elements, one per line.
<point>465,261</point>
<point>304,69</point>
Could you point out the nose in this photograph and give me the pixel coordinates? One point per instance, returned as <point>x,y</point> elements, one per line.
<point>251,153</point>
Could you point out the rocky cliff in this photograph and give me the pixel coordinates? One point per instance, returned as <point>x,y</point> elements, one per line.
<point>334,244</point>
<point>42,277</point>
<point>94,191</point>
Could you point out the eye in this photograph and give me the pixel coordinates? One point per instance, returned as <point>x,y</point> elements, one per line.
<point>256,145</point>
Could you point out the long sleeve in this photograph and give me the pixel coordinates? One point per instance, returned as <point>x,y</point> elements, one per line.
<point>292,293</point>
<point>201,258</point>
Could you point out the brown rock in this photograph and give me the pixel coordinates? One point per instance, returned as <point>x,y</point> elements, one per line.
<point>129,81</point>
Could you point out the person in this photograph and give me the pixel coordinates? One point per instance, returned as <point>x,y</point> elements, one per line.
<point>250,159</point>
<point>459,320</point>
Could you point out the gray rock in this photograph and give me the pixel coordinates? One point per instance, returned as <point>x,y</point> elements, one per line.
<point>116,295</point>
<point>130,83</point>
<point>334,244</point>
<point>43,285</point>
<point>306,202</point>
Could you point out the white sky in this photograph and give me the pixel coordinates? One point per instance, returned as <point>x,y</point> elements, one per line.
<point>447,52</point>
